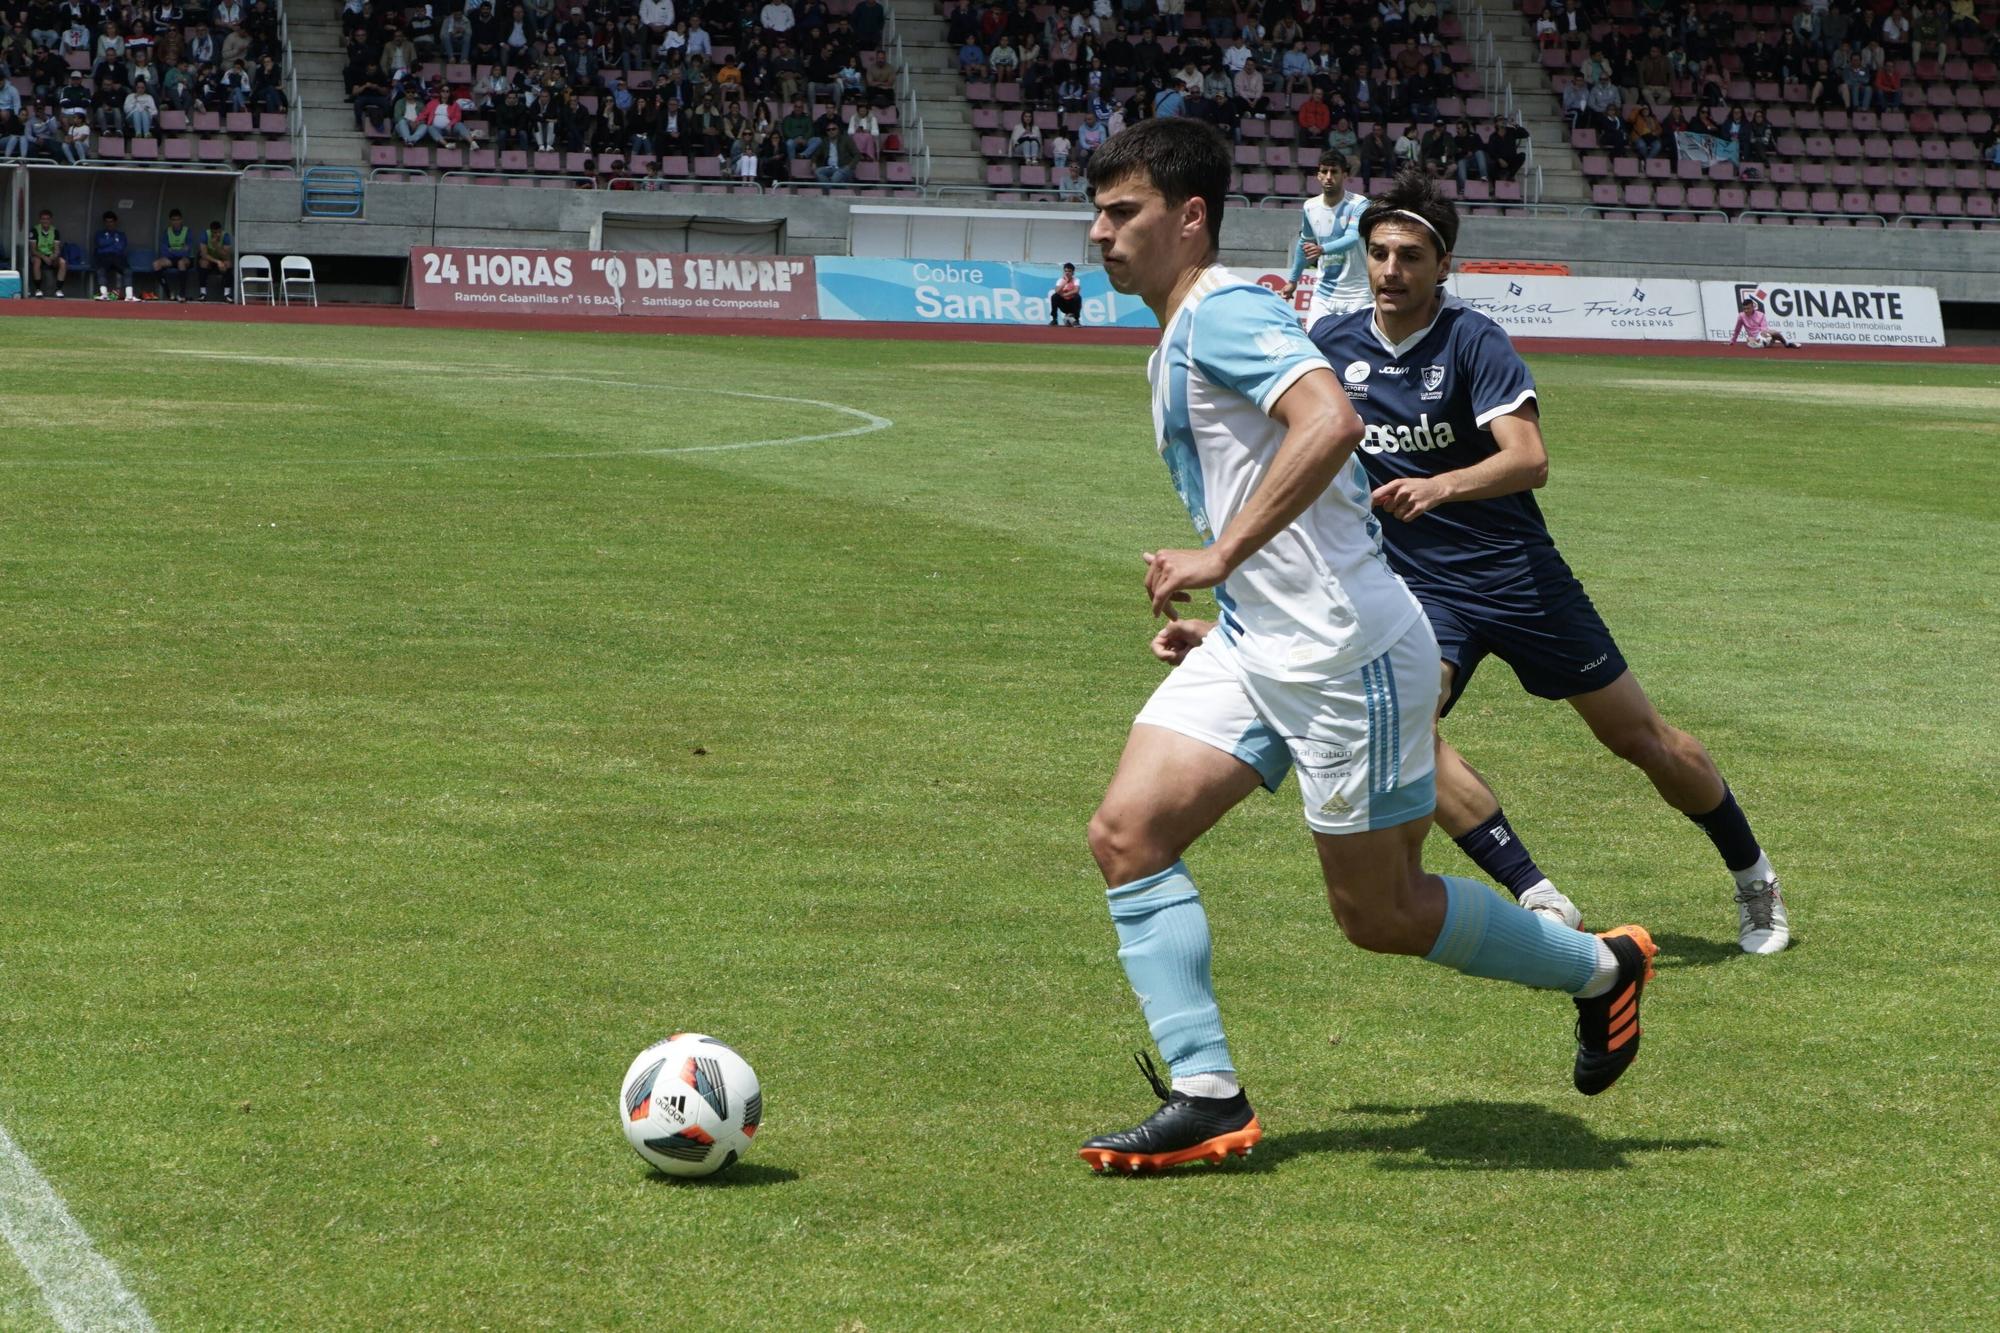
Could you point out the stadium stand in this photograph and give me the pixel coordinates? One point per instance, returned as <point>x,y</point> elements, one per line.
<point>194,86</point>
<point>1842,115</point>
<point>687,97</point>
<point>1280,81</point>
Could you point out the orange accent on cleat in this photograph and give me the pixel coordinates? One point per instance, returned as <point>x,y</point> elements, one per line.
<point>1214,1150</point>
<point>1641,937</point>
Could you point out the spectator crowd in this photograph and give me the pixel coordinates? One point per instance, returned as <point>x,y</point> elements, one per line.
<point>74,70</point>
<point>757,85</point>
<point>1630,75</point>
<point>1343,70</point>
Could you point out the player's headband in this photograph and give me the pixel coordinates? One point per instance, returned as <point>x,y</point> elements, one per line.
<point>1443,249</point>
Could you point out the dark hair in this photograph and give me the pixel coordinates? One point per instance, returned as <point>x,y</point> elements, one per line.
<point>1333,157</point>
<point>1183,159</point>
<point>1413,192</point>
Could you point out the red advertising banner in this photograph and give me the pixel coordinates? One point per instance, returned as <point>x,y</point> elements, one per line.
<point>614,283</point>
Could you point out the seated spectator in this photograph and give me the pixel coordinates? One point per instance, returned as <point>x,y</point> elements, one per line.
<point>371,102</point>
<point>1888,87</point>
<point>513,123</point>
<point>1437,151</point>
<point>174,263</point>
<point>777,18</point>
<point>108,256</point>
<point>1423,21</point>
<point>1025,142</point>
<point>215,262</point>
<point>972,61</point>
<point>1059,149</point>
<point>1089,138</point>
<point>1315,119</point>
<point>833,161</point>
<point>1469,154</point>
<point>1759,140</point>
<point>1504,149</point>
<point>1895,32</point>
<point>1066,301</point>
<point>1643,132</point>
<point>796,131</point>
<point>76,140</point>
<point>1376,156</point>
<point>142,113</point>
<point>455,37</point>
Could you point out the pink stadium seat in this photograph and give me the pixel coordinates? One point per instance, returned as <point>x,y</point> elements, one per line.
<point>381,155</point>
<point>1950,206</point>
<point>513,159</point>
<point>1886,202</point>
<point>245,151</point>
<point>1670,196</point>
<point>1595,165</point>
<point>1288,183</point>
<point>1034,176</point>
<point>207,122</point>
<point>1854,201</point>
<point>547,162</point>
<point>1659,169</point>
<point>1734,200</point>
<point>238,122</point>
<point>1824,201</point>
<point>1919,202</point>
<point>1604,194</point>
<point>1979,205</point>
<point>173,122</point>
<point>417,156</point>
<point>174,150</point>
<point>673,165</point>
<point>1701,197</point>
<point>1000,175</point>
<point>709,168</point>
<point>1637,195</point>
<point>449,159</point>
<point>111,146</point>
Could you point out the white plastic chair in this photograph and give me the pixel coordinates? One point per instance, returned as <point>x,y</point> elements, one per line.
<point>255,269</point>
<point>296,271</point>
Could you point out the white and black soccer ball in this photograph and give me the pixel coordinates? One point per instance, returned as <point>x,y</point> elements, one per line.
<point>690,1105</point>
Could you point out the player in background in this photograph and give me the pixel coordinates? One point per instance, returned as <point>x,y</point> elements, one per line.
<point>1320,659</point>
<point>1454,448</point>
<point>1755,331</point>
<point>1329,242</point>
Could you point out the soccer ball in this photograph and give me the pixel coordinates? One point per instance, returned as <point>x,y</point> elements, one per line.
<point>690,1105</point>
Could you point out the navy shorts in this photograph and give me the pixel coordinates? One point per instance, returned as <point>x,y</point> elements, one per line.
<point>1555,640</point>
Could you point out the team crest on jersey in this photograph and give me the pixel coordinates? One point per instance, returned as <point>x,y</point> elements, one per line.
<point>1356,372</point>
<point>1433,376</point>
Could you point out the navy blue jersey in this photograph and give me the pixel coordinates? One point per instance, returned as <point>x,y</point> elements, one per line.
<point>1428,405</point>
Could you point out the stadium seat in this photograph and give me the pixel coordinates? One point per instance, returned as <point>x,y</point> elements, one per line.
<point>255,271</point>
<point>296,275</point>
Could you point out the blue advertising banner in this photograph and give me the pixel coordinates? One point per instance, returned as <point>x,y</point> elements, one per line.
<point>965,291</point>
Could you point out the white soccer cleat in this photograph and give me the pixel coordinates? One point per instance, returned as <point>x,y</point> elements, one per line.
<point>1548,900</point>
<point>1761,924</point>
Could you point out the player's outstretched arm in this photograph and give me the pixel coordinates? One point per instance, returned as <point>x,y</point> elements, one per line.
<point>1321,432</point>
<point>1521,464</point>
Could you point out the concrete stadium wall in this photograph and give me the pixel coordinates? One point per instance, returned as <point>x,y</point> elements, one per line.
<point>1963,266</point>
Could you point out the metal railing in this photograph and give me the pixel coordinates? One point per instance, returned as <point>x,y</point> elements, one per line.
<point>295,108</point>
<point>909,114</point>
<point>1912,219</point>
<point>1863,218</point>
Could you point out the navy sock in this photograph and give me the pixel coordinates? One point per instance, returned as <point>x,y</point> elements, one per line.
<point>1495,848</point>
<point>1727,828</point>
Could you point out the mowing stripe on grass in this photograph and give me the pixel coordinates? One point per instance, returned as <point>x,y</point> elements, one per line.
<point>81,1287</point>
<point>870,422</point>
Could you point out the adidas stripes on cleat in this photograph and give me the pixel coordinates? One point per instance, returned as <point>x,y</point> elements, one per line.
<point>1607,1025</point>
<point>1184,1129</point>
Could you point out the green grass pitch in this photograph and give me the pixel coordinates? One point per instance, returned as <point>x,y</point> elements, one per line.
<point>401,729</point>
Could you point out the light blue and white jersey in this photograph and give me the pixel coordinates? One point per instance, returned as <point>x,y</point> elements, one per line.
<point>1318,599</point>
<point>1342,284</point>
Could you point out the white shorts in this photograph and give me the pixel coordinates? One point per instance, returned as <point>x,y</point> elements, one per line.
<point>1362,742</point>
<point>1320,308</point>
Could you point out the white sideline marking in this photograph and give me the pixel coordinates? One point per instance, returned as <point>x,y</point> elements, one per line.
<point>870,423</point>
<point>81,1287</point>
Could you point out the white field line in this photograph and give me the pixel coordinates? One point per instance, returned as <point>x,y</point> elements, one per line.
<point>870,423</point>
<point>82,1289</point>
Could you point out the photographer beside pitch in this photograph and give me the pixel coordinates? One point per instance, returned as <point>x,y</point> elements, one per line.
<point>1321,660</point>
<point>1454,448</point>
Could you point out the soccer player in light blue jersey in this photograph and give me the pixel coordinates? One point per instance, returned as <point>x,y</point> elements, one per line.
<point>1319,660</point>
<point>1330,240</point>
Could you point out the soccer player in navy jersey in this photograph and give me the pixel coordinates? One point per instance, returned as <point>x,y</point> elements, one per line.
<point>1319,660</point>
<point>1454,450</point>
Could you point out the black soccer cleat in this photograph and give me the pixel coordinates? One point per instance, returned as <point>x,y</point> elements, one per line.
<point>1607,1025</point>
<point>1184,1129</point>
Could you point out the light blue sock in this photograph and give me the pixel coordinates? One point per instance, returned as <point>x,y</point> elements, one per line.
<point>1163,943</point>
<point>1486,936</point>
